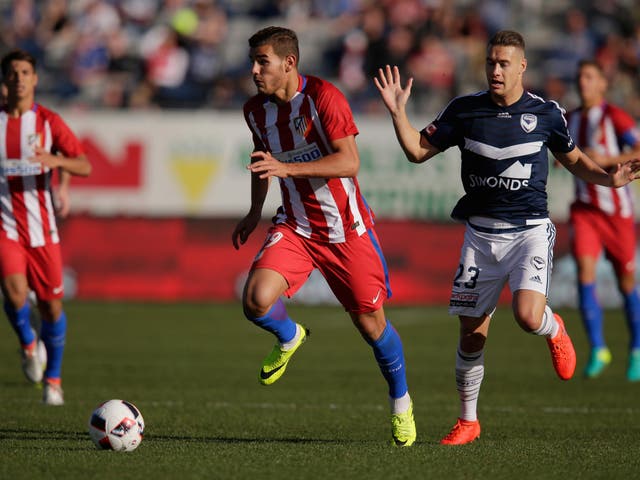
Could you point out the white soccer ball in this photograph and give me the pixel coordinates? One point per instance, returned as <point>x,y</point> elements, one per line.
<point>116,425</point>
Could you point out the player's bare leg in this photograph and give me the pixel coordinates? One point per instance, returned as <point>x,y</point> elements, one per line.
<point>534,315</point>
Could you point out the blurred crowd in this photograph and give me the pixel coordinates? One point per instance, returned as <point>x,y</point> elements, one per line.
<point>152,54</point>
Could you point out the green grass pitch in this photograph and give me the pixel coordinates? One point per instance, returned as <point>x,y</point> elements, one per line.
<point>192,369</point>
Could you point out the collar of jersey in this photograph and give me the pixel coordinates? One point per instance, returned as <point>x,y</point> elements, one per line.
<point>302,82</point>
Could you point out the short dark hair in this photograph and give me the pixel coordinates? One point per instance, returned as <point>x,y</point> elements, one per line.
<point>507,38</point>
<point>16,54</point>
<point>589,62</point>
<point>283,40</point>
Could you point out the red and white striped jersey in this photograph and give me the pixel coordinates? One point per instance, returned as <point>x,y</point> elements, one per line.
<point>606,129</point>
<point>27,214</point>
<point>324,209</point>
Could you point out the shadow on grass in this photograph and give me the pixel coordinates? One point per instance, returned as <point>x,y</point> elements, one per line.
<point>239,440</point>
<point>39,435</point>
<point>33,434</point>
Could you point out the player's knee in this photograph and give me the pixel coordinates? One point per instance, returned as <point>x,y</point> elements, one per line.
<point>17,297</point>
<point>472,342</point>
<point>370,325</point>
<point>262,290</point>
<point>626,284</point>
<point>256,303</point>
<point>50,310</point>
<point>528,320</point>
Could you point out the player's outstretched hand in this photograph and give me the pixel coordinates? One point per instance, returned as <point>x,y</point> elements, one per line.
<point>626,172</point>
<point>390,87</point>
<point>266,165</point>
<point>244,228</point>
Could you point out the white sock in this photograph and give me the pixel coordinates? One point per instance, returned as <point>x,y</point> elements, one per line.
<point>290,344</point>
<point>400,405</point>
<point>469,375</point>
<point>548,327</point>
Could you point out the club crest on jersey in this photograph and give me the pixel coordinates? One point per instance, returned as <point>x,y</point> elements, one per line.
<point>528,122</point>
<point>301,125</point>
<point>33,139</point>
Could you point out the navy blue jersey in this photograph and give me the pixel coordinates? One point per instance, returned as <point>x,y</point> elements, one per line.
<point>504,151</point>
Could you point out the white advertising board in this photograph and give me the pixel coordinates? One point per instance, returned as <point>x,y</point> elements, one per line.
<point>194,163</point>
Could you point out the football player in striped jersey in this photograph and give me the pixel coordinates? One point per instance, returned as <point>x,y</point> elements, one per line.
<point>304,135</point>
<point>34,142</point>
<point>602,218</point>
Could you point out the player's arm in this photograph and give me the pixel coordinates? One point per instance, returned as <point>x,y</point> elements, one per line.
<point>66,152</point>
<point>259,189</point>
<point>61,196</point>
<point>344,161</point>
<point>579,164</point>
<point>415,146</point>
<point>74,165</point>
<point>606,161</point>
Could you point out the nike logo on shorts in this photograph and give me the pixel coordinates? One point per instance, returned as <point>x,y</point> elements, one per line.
<point>377,297</point>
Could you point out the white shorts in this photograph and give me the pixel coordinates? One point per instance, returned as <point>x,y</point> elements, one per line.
<point>489,260</point>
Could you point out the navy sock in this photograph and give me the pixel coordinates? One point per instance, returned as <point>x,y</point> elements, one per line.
<point>277,321</point>
<point>591,314</point>
<point>19,320</point>
<point>390,356</point>
<point>53,335</point>
<point>632,311</point>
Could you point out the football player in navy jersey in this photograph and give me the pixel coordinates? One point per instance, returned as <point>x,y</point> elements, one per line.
<point>504,135</point>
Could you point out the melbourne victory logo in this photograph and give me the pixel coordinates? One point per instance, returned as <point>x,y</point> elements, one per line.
<point>528,122</point>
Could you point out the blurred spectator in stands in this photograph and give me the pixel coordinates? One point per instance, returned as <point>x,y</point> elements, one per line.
<point>574,42</point>
<point>433,69</point>
<point>89,63</point>
<point>205,47</point>
<point>352,76</point>
<point>374,25</point>
<point>138,15</point>
<point>22,17</point>
<point>467,37</point>
<point>166,64</point>
<point>184,53</point>
<point>125,71</point>
<point>495,14</point>
<point>408,13</point>
<point>400,43</point>
<point>556,89</point>
<point>577,37</point>
<point>607,16</point>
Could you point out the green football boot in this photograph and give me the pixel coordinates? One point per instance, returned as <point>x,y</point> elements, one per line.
<point>599,359</point>
<point>275,364</point>
<point>403,428</point>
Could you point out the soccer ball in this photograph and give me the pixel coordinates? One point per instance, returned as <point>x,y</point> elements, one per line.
<point>116,425</point>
